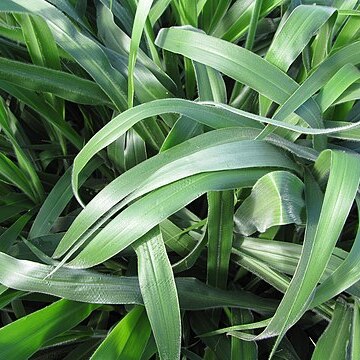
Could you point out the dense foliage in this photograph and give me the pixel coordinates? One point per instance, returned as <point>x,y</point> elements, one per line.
<point>179,179</point>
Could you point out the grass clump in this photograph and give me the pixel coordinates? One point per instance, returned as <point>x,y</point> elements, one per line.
<point>179,179</point>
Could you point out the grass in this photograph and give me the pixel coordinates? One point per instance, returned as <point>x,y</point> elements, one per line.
<point>179,179</point>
